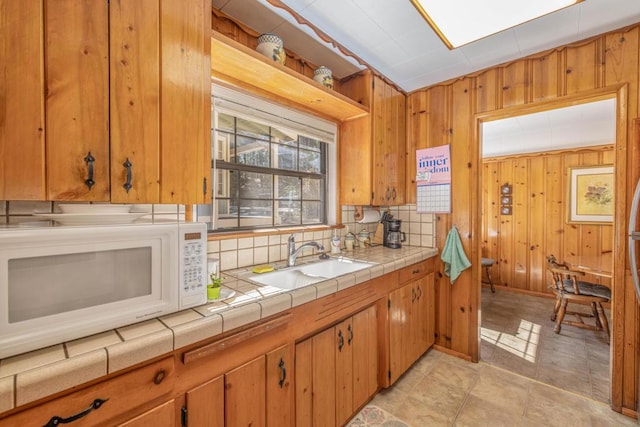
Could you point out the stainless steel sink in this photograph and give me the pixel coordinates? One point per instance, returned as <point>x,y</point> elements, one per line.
<point>308,274</point>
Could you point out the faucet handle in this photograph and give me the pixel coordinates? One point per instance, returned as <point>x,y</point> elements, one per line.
<point>292,238</point>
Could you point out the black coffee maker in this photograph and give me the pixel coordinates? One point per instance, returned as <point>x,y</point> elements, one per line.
<point>393,237</point>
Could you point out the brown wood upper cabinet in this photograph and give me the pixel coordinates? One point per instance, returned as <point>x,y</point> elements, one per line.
<point>373,148</point>
<point>114,101</point>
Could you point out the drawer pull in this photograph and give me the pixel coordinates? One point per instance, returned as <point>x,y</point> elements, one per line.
<point>56,420</point>
<point>127,165</point>
<point>90,160</point>
<point>283,373</point>
<point>416,271</point>
<point>160,375</point>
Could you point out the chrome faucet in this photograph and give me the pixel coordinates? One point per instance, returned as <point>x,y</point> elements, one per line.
<point>293,252</point>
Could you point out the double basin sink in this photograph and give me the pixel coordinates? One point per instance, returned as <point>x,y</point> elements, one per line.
<point>308,274</point>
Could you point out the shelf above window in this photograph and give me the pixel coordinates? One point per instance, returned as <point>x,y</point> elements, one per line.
<point>235,63</point>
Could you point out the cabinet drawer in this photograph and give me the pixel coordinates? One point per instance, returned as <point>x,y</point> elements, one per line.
<point>415,271</point>
<point>113,401</point>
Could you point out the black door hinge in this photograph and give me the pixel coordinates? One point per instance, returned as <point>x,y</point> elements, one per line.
<point>388,303</point>
<point>389,374</point>
<point>183,417</point>
<point>204,186</point>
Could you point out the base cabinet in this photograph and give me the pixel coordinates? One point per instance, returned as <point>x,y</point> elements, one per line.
<point>258,393</point>
<point>336,371</point>
<point>411,324</point>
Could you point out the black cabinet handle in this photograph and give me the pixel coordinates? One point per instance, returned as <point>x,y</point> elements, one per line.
<point>340,340</point>
<point>350,329</point>
<point>204,186</point>
<point>419,292</point>
<point>56,420</point>
<point>283,373</point>
<point>127,185</point>
<point>393,194</point>
<point>388,193</point>
<point>89,160</point>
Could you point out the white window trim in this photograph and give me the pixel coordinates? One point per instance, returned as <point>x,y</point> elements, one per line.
<point>254,108</point>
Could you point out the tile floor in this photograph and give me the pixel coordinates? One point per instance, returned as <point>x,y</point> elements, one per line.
<point>442,390</point>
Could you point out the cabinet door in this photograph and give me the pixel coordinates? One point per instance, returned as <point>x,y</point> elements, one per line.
<point>388,138</point>
<point>429,296</point>
<point>304,383</point>
<point>244,394</point>
<point>22,173</point>
<point>205,404</point>
<point>135,100</point>
<point>185,127</point>
<point>279,387</point>
<point>365,356</point>
<point>77,101</point>
<point>400,329</point>
<point>166,414</point>
<point>356,162</point>
<point>344,341</point>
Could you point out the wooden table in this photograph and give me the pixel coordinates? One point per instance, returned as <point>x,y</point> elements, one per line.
<point>595,265</point>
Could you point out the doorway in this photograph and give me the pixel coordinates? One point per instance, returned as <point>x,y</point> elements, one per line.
<point>519,230</point>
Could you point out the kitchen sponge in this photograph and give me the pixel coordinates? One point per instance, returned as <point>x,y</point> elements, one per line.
<point>265,268</point>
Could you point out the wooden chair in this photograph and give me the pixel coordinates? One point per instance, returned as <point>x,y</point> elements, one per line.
<point>568,287</point>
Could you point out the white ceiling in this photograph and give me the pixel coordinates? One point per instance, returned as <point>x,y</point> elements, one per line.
<point>391,37</point>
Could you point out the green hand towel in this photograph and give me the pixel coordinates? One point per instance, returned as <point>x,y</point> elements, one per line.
<point>453,256</point>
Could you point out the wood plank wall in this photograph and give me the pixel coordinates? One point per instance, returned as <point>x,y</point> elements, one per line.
<point>447,114</point>
<point>537,225</point>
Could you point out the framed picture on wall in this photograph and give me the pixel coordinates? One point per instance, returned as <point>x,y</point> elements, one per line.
<point>590,194</point>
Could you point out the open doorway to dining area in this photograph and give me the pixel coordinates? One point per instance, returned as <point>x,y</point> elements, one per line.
<point>547,189</point>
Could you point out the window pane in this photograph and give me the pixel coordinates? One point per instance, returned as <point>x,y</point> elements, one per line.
<point>311,212</point>
<point>255,213</point>
<point>249,128</point>
<point>225,122</point>
<point>310,161</point>
<point>227,213</point>
<point>225,181</point>
<point>252,152</point>
<point>288,213</point>
<point>253,185</point>
<point>225,147</point>
<point>311,189</point>
<point>287,187</point>
<point>284,136</point>
<point>310,143</point>
<point>285,157</point>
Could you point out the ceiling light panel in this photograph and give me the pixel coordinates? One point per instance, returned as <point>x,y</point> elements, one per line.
<point>459,22</point>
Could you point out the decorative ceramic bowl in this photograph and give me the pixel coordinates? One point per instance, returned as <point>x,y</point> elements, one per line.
<point>323,76</point>
<point>271,46</point>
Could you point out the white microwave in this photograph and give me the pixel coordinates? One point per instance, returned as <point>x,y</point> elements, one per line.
<point>62,283</point>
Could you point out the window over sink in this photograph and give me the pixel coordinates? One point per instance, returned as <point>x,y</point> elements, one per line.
<point>272,166</point>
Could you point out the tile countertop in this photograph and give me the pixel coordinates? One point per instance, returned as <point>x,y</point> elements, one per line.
<point>27,377</point>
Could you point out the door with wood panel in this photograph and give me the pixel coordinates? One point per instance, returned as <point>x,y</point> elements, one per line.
<point>22,127</point>
<point>205,404</point>
<point>279,387</point>
<point>244,394</point>
<point>165,415</point>
<point>365,356</point>
<point>135,73</point>
<point>77,99</point>
<point>400,327</point>
<point>344,336</point>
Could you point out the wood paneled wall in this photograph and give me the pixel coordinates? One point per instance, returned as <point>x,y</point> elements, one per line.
<point>537,225</point>
<point>449,114</point>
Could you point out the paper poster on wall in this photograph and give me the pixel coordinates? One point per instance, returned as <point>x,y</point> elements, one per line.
<point>433,178</point>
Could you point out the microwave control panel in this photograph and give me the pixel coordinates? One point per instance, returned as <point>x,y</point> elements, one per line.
<point>194,264</point>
